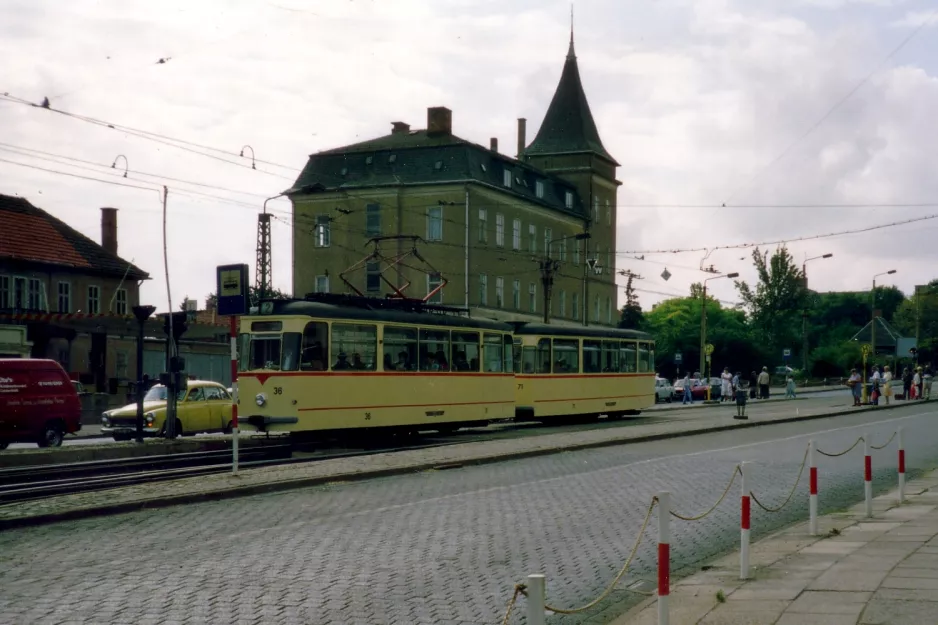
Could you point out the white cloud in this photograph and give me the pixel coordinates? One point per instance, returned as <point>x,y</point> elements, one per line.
<point>914,19</point>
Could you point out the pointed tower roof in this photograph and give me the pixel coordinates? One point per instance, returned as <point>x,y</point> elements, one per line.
<point>568,125</point>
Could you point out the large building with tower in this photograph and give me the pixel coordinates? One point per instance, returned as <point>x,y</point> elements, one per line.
<point>492,228</point>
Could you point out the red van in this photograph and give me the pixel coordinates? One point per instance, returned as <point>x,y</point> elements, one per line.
<point>38,402</point>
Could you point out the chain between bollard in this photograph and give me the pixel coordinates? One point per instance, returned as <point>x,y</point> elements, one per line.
<point>824,453</point>
<point>520,589</point>
<point>625,567</point>
<point>886,444</point>
<point>736,472</point>
<point>790,495</point>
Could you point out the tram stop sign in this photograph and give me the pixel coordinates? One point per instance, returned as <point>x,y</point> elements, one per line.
<point>786,354</point>
<point>678,358</point>
<point>232,284</point>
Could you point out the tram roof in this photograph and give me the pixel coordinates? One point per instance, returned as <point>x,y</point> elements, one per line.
<point>586,331</point>
<point>387,311</point>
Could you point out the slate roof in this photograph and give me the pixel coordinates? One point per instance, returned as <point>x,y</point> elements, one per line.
<point>417,158</point>
<point>568,125</point>
<point>28,233</point>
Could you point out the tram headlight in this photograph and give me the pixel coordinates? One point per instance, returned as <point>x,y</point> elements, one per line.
<point>261,399</point>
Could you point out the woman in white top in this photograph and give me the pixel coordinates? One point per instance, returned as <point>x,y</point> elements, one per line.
<point>887,383</point>
<point>726,390</point>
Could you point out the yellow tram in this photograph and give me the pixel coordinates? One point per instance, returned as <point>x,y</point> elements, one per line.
<point>347,363</point>
<point>565,371</point>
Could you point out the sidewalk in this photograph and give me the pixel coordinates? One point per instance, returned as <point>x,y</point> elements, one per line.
<point>861,571</point>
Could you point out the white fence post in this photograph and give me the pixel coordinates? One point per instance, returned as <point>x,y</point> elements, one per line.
<point>744,523</point>
<point>812,489</point>
<point>867,475</point>
<point>901,468</point>
<point>664,556</point>
<point>536,600</point>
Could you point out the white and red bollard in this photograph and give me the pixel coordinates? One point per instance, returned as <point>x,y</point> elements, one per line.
<point>812,489</point>
<point>901,467</point>
<point>867,475</point>
<point>664,556</point>
<point>233,329</point>
<point>744,518</point>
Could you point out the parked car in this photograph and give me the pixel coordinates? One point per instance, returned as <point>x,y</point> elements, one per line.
<point>38,403</point>
<point>80,388</point>
<point>203,406</point>
<point>663,390</point>
<point>699,389</point>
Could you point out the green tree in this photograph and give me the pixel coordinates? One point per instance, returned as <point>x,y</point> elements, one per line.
<point>920,312</point>
<point>631,316</point>
<point>776,303</point>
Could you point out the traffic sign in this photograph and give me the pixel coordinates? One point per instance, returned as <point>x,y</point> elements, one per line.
<point>786,353</point>
<point>232,285</point>
<point>708,349</point>
<point>678,358</point>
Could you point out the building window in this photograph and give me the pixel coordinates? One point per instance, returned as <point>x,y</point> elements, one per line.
<point>322,284</point>
<point>483,226</point>
<point>483,290</point>
<point>608,214</point>
<point>563,249</point>
<point>65,297</point>
<point>120,368</point>
<point>373,276</point>
<point>532,239</point>
<point>499,292</point>
<point>608,310</point>
<point>36,300</point>
<point>548,237</point>
<point>532,297</point>
<point>435,223</point>
<point>568,199</point>
<point>576,306</point>
<point>120,302</point>
<point>576,252</point>
<point>596,308</point>
<point>516,234</point>
<point>516,294</point>
<point>18,298</point>
<point>563,304</point>
<point>506,177</point>
<point>434,280</point>
<point>499,230</point>
<point>94,300</point>
<point>609,263</point>
<point>323,231</point>
<point>373,220</point>
<point>539,189</point>
<point>598,256</point>
<point>595,210</point>
<point>5,292</point>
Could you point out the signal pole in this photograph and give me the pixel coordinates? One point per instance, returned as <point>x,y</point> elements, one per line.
<point>548,267</point>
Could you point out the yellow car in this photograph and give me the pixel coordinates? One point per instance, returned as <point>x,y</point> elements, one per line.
<point>203,407</point>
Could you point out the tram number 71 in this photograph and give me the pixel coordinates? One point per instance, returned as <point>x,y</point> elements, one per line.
<point>520,386</point>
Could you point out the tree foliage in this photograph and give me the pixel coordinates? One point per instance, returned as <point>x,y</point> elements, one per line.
<point>631,317</point>
<point>776,302</point>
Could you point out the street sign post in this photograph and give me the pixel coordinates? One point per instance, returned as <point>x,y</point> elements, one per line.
<point>786,354</point>
<point>233,300</point>
<point>708,350</point>
<point>678,358</point>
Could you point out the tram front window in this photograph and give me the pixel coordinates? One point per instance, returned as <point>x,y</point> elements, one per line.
<point>264,353</point>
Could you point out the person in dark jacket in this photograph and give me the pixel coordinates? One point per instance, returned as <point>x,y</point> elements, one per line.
<point>753,385</point>
<point>906,383</point>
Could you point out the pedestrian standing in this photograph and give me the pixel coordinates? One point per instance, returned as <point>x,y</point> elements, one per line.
<point>688,396</point>
<point>906,384</point>
<point>764,381</point>
<point>753,385</point>
<point>790,387</point>
<point>874,386</point>
<point>917,383</point>
<point>929,374</point>
<point>887,383</point>
<point>854,382</point>
<point>726,388</point>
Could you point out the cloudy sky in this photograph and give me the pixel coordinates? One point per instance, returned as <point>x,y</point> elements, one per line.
<point>796,114</point>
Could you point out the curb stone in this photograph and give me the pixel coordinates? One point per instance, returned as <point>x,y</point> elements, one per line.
<point>256,489</point>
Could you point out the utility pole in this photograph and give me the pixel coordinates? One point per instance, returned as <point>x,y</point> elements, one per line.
<point>548,267</point>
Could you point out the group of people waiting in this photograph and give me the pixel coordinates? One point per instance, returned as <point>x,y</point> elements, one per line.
<point>916,384</point>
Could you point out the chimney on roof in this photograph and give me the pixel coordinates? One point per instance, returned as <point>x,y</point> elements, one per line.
<point>522,129</point>
<point>109,230</point>
<point>399,128</point>
<point>493,144</point>
<point>439,121</point>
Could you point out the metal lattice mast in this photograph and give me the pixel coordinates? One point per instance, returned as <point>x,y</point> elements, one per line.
<point>263,272</point>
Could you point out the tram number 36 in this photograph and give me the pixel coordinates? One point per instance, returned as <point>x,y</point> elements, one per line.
<point>278,390</point>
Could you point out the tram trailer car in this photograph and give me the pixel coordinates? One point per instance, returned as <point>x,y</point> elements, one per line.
<point>566,372</point>
<point>339,363</point>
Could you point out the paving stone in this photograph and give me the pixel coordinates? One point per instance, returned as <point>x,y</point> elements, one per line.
<point>813,602</point>
<point>845,578</point>
<point>910,583</point>
<point>889,612</point>
<point>817,619</point>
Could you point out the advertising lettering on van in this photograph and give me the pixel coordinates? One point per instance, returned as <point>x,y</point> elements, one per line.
<point>50,383</point>
<point>7,385</point>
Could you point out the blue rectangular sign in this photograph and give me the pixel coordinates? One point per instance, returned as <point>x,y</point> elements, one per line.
<point>232,289</point>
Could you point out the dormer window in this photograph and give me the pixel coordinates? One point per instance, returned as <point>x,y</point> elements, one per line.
<point>392,158</point>
<point>568,199</point>
<point>344,171</point>
<point>369,160</point>
<point>483,167</point>
<point>539,189</point>
<point>438,165</point>
<point>506,178</point>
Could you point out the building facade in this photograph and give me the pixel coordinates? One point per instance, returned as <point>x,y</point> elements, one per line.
<point>486,222</point>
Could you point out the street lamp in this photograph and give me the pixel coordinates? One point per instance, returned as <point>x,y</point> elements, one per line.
<point>804,313</point>
<point>703,326</point>
<point>548,266</point>
<point>873,312</point>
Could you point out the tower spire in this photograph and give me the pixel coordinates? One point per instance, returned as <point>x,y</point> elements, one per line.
<point>570,54</point>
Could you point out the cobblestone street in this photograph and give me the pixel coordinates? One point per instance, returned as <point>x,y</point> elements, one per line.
<point>438,546</point>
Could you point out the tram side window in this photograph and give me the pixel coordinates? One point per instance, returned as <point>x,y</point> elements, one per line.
<point>528,358</point>
<point>516,355</point>
<point>434,346</point>
<point>354,347</point>
<point>566,356</point>
<point>265,352</point>
<point>543,356</point>
<point>592,356</point>
<point>244,352</point>
<point>628,357</point>
<point>644,363</point>
<point>610,356</point>
<point>508,352</point>
<point>290,360</point>
<point>400,349</point>
<point>465,351</point>
<point>315,354</point>
<point>492,359</point>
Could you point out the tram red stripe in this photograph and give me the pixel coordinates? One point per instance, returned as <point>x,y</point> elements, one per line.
<point>465,403</point>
